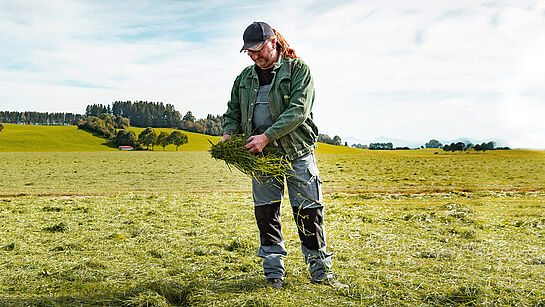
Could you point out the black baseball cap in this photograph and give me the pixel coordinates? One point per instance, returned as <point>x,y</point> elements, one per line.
<point>255,35</point>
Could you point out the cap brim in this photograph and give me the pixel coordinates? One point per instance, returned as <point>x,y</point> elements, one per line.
<point>253,46</point>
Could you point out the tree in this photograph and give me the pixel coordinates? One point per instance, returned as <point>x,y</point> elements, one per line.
<point>147,137</point>
<point>97,125</point>
<point>458,146</point>
<point>177,138</point>
<point>478,147</point>
<point>122,123</point>
<point>489,146</point>
<point>433,143</point>
<point>360,146</point>
<point>381,146</point>
<point>125,138</point>
<point>324,138</point>
<point>188,117</point>
<point>163,140</point>
<point>337,140</point>
<point>446,148</point>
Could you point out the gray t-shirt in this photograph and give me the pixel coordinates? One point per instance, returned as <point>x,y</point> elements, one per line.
<point>262,114</point>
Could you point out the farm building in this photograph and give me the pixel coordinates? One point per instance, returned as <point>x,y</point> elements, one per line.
<point>126,148</point>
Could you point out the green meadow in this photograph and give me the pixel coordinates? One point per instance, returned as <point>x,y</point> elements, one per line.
<point>89,225</point>
<point>35,138</point>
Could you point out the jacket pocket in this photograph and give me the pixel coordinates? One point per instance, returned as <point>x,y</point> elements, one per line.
<point>284,91</point>
<point>316,183</point>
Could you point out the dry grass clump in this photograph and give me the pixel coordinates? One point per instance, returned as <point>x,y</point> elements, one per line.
<point>270,163</point>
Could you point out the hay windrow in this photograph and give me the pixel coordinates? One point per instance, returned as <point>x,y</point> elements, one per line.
<point>270,162</point>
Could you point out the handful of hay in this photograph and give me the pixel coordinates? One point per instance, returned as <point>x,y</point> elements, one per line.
<point>269,163</point>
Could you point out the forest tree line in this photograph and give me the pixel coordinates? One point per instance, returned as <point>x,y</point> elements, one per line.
<point>39,118</point>
<point>464,146</point>
<point>158,115</point>
<point>140,113</point>
<point>433,143</point>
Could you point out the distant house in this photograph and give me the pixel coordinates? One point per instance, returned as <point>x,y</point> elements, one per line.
<point>126,148</point>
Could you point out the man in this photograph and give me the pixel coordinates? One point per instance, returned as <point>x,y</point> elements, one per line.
<point>272,101</point>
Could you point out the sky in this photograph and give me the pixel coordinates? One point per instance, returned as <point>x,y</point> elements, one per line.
<point>405,70</point>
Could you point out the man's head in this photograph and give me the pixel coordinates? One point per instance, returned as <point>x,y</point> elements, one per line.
<point>260,44</point>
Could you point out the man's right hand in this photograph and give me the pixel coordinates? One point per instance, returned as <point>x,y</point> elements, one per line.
<point>225,138</point>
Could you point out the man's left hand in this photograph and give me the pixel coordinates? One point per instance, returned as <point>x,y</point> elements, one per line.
<point>256,143</point>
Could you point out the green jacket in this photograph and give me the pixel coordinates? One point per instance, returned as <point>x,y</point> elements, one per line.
<point>291,97</point>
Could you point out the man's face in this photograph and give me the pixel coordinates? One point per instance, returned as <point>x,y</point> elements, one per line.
<point>265,57</point>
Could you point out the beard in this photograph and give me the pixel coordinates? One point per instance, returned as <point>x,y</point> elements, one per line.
<point>263,62</point>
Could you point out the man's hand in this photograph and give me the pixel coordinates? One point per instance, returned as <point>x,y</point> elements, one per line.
<point>226,138</point>
<point>256,143</point>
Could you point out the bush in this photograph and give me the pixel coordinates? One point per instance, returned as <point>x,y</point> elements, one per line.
<point>97,125</point>
<point>125,138</point>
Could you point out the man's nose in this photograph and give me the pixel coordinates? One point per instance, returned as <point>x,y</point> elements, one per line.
<point>253,56</point>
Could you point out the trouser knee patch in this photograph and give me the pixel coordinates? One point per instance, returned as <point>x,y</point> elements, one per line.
<point>268,223</point>
<point>309,223</point>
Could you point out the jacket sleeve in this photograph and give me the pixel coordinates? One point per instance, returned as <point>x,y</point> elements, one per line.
<point>232,118</point>
<point>300,103</point>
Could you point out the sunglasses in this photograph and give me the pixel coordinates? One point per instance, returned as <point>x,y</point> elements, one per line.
<point>250,52</point>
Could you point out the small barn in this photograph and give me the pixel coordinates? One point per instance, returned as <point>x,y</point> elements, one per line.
<point>126,148</point>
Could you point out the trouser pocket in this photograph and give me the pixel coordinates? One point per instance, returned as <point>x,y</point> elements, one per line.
<point>304,186</point>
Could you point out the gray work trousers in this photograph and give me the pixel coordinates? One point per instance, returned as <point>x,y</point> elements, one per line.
<point>305,194</point>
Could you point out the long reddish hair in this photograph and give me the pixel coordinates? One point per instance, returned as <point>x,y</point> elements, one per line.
<point>283,47</point>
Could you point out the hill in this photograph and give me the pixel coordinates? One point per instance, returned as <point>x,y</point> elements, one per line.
<point>35,138</point>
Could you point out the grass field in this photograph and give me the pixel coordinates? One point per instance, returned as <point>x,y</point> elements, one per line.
<point>170,228</point>
<point>108,173</point>
<point>199,249</point>
<point>35,138</point>
<point>32,138</point>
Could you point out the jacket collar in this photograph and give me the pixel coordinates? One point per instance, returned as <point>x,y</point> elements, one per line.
<point>277,68</point>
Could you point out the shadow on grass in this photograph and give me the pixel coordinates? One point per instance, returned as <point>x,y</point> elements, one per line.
<point>107,142</point>
<point>158,293</point>
<point>110,144</point>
